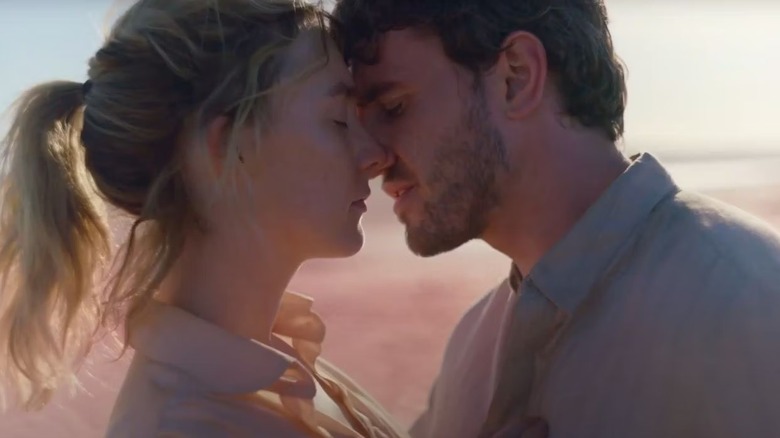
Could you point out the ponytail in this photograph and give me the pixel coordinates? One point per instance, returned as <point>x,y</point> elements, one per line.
<point>53,238</point>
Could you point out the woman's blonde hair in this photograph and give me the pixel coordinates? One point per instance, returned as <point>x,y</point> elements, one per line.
<point>165,63</point>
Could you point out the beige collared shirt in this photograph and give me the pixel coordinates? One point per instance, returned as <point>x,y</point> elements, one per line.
<point>190,378</point>
<point>658,314</point>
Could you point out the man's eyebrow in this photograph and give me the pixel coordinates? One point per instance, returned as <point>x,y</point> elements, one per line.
<point>375,91</point>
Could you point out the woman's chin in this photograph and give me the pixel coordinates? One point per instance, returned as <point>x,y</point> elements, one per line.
<point>349,244</point>
<point>342,243</point>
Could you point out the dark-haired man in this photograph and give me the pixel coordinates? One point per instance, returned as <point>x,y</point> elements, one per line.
<point>634,308</point>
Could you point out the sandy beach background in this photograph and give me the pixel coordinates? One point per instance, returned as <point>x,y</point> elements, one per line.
<point>388,312</point>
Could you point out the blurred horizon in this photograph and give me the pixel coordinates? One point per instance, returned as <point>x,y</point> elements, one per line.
<point>701,76</point>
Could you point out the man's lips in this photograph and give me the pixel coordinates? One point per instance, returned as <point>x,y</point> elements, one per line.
<point>403,197</point>
<point>397,189</point>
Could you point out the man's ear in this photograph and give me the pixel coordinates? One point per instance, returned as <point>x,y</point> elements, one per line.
<point>522,65</point>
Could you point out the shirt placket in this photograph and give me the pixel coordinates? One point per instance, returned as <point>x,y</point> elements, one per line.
<point>534,324</point>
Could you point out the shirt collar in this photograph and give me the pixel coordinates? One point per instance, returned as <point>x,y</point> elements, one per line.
<point>569,270</point>
<point>228,363</point>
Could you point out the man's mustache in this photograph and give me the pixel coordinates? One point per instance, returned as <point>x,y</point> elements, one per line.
<point>397,172</point>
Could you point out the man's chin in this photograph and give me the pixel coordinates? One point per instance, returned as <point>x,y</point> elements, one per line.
<point>424,244</point>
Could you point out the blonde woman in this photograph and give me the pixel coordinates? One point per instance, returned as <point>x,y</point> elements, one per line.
<point>225,128</point>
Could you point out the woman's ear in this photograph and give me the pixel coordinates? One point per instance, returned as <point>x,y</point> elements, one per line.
<point>522,65</point>
<point>217,135</point>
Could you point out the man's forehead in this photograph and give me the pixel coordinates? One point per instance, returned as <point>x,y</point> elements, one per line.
<point>402,55</point>
<point>371,91</point>
<point>395,48</point>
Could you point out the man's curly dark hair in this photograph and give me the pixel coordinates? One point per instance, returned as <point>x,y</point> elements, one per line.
<point>580,55</point>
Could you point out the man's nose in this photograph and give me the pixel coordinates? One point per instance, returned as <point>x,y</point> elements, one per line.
<point>373,157</point>
<point>375,160</point>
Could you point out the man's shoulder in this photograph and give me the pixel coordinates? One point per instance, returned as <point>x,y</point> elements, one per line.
<point>713,215</point>
<point>697,249</point>
<point>749,244</point>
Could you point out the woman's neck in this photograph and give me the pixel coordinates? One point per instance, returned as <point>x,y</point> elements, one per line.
<point>235,284</point>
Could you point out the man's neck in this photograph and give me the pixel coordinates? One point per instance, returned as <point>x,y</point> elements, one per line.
<point>540,206</point>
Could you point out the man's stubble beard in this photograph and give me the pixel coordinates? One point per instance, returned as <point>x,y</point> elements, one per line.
<point>464,183</point>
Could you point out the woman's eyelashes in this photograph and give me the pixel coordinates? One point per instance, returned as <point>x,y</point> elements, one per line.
<point>346,116</point>
<point>338,116</point>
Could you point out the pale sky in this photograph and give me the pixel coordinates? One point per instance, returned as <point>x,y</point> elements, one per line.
<point>703,75</point>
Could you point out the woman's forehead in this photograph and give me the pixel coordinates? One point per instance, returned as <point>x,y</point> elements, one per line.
<point>310,47</point>
<point>315,59</point>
